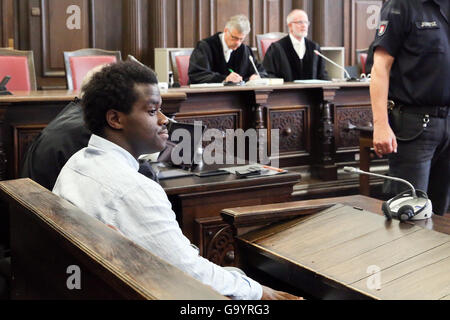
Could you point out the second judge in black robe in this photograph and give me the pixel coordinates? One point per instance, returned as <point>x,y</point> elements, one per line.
<point>282,61</point>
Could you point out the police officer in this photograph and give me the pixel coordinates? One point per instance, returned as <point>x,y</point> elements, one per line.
<point>412,68</point>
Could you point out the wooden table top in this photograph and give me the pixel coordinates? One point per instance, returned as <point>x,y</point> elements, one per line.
<point>175,93</point>
<point>341,244</point>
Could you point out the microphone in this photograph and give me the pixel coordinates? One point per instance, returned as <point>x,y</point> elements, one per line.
<point>357,171</point>
<point>335,64</point>
<point>253,64</point>
<point>407,205</point>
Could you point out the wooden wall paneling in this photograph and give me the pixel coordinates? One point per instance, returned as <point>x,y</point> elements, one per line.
<point>365,18</point>
<point>273,16</point>
<point>62,31</point>
<point>328,23</point>
<point>132,28</point>
<point>2,24</point>
<point>7,23</point>
<point>106,24</point>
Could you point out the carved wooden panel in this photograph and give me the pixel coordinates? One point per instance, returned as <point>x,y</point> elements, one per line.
<point>292,125</point>
<point>216,241</point>
<point>221,122</point>
<point>360,116</point>
<point>24,135</point>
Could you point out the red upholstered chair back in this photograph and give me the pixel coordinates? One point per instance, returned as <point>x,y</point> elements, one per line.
<point>183,67</point>
<point>265,40</point>
<point>80,66</point>
<point>180,65</point>
<point>361,58</point>
<point>19,65</point>
<point>78,63</point>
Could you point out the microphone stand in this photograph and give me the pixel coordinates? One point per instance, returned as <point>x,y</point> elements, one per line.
<point>357,171</point>
<point>349,79</point>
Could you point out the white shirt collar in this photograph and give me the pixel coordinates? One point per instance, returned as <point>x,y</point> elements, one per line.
<point>226,51</point>
<point>299,46</point>
<point>105,145</point>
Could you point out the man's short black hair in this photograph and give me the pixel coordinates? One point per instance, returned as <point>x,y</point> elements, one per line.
<point>113,88</point>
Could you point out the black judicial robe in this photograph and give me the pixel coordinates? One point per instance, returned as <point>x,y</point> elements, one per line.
<point>49,152</point>
<point>207,63</point>
<point>281,61</point>
<point>63,137</point>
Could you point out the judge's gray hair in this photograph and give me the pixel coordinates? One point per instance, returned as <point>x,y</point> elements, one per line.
<point>290,16</point>
<point>239,23</point>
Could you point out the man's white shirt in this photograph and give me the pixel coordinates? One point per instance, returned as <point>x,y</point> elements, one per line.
<point>103,181</point>
<point>299,46</point>
<point>226,51</point>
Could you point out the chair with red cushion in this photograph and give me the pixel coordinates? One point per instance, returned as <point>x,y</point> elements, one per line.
<point>19,65</point>
<point>265,40</point>
<point>361,56</point>
<point>180,65</point>
<point>78,63</point>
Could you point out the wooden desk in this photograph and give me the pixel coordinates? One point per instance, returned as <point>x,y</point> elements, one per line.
<point>331,255</point>
<point>310,119</point>
<point>198,202</point>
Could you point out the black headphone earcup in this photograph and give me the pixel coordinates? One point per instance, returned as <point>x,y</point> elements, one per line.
<point>405,213</point>
<point>386,211</point>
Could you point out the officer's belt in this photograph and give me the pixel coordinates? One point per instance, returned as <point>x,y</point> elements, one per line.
<point>436,111</point>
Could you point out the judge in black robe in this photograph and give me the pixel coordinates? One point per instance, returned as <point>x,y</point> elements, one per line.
<point>282,61</point>
<point>208,65</point>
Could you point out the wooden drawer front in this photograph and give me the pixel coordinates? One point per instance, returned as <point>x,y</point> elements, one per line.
<point>222,122</point>
<point>360,116</point>
<point>292,124</point>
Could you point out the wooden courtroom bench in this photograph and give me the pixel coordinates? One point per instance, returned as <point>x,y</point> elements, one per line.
<point>59,252</point>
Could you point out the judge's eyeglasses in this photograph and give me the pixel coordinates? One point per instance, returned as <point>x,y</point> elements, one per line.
<point>306,23</point>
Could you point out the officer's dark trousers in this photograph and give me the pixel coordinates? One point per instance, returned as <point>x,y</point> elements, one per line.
<point>425,162</point>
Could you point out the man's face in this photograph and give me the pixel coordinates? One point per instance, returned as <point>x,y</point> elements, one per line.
<point>299,25</point>
<point>144,128</point>
<point>233,38</point>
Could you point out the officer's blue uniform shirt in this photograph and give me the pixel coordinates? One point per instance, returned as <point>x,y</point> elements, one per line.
<point>416,34</point>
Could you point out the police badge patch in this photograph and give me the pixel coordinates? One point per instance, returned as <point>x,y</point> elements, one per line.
<point>383,27</point>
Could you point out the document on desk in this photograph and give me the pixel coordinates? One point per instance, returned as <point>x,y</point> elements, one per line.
<point>173,173</point>
<point>254,168</point>
<point>206,85</point>
<point>312,81</point>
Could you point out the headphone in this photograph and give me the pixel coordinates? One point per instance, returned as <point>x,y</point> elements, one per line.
<point>405,212</point>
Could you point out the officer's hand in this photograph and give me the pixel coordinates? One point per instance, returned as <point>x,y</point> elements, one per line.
<point>384,141</point>
<point>233,77</point>
<point>271,294</point>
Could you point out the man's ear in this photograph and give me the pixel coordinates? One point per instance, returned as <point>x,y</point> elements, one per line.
<point>114,119</point>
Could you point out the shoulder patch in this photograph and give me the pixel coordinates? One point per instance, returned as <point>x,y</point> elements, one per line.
<point>383,27</point>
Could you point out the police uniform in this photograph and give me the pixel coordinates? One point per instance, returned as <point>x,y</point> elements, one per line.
<point>416,34</point>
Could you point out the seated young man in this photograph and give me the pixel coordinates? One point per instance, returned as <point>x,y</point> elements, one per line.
<point>121,107</point>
